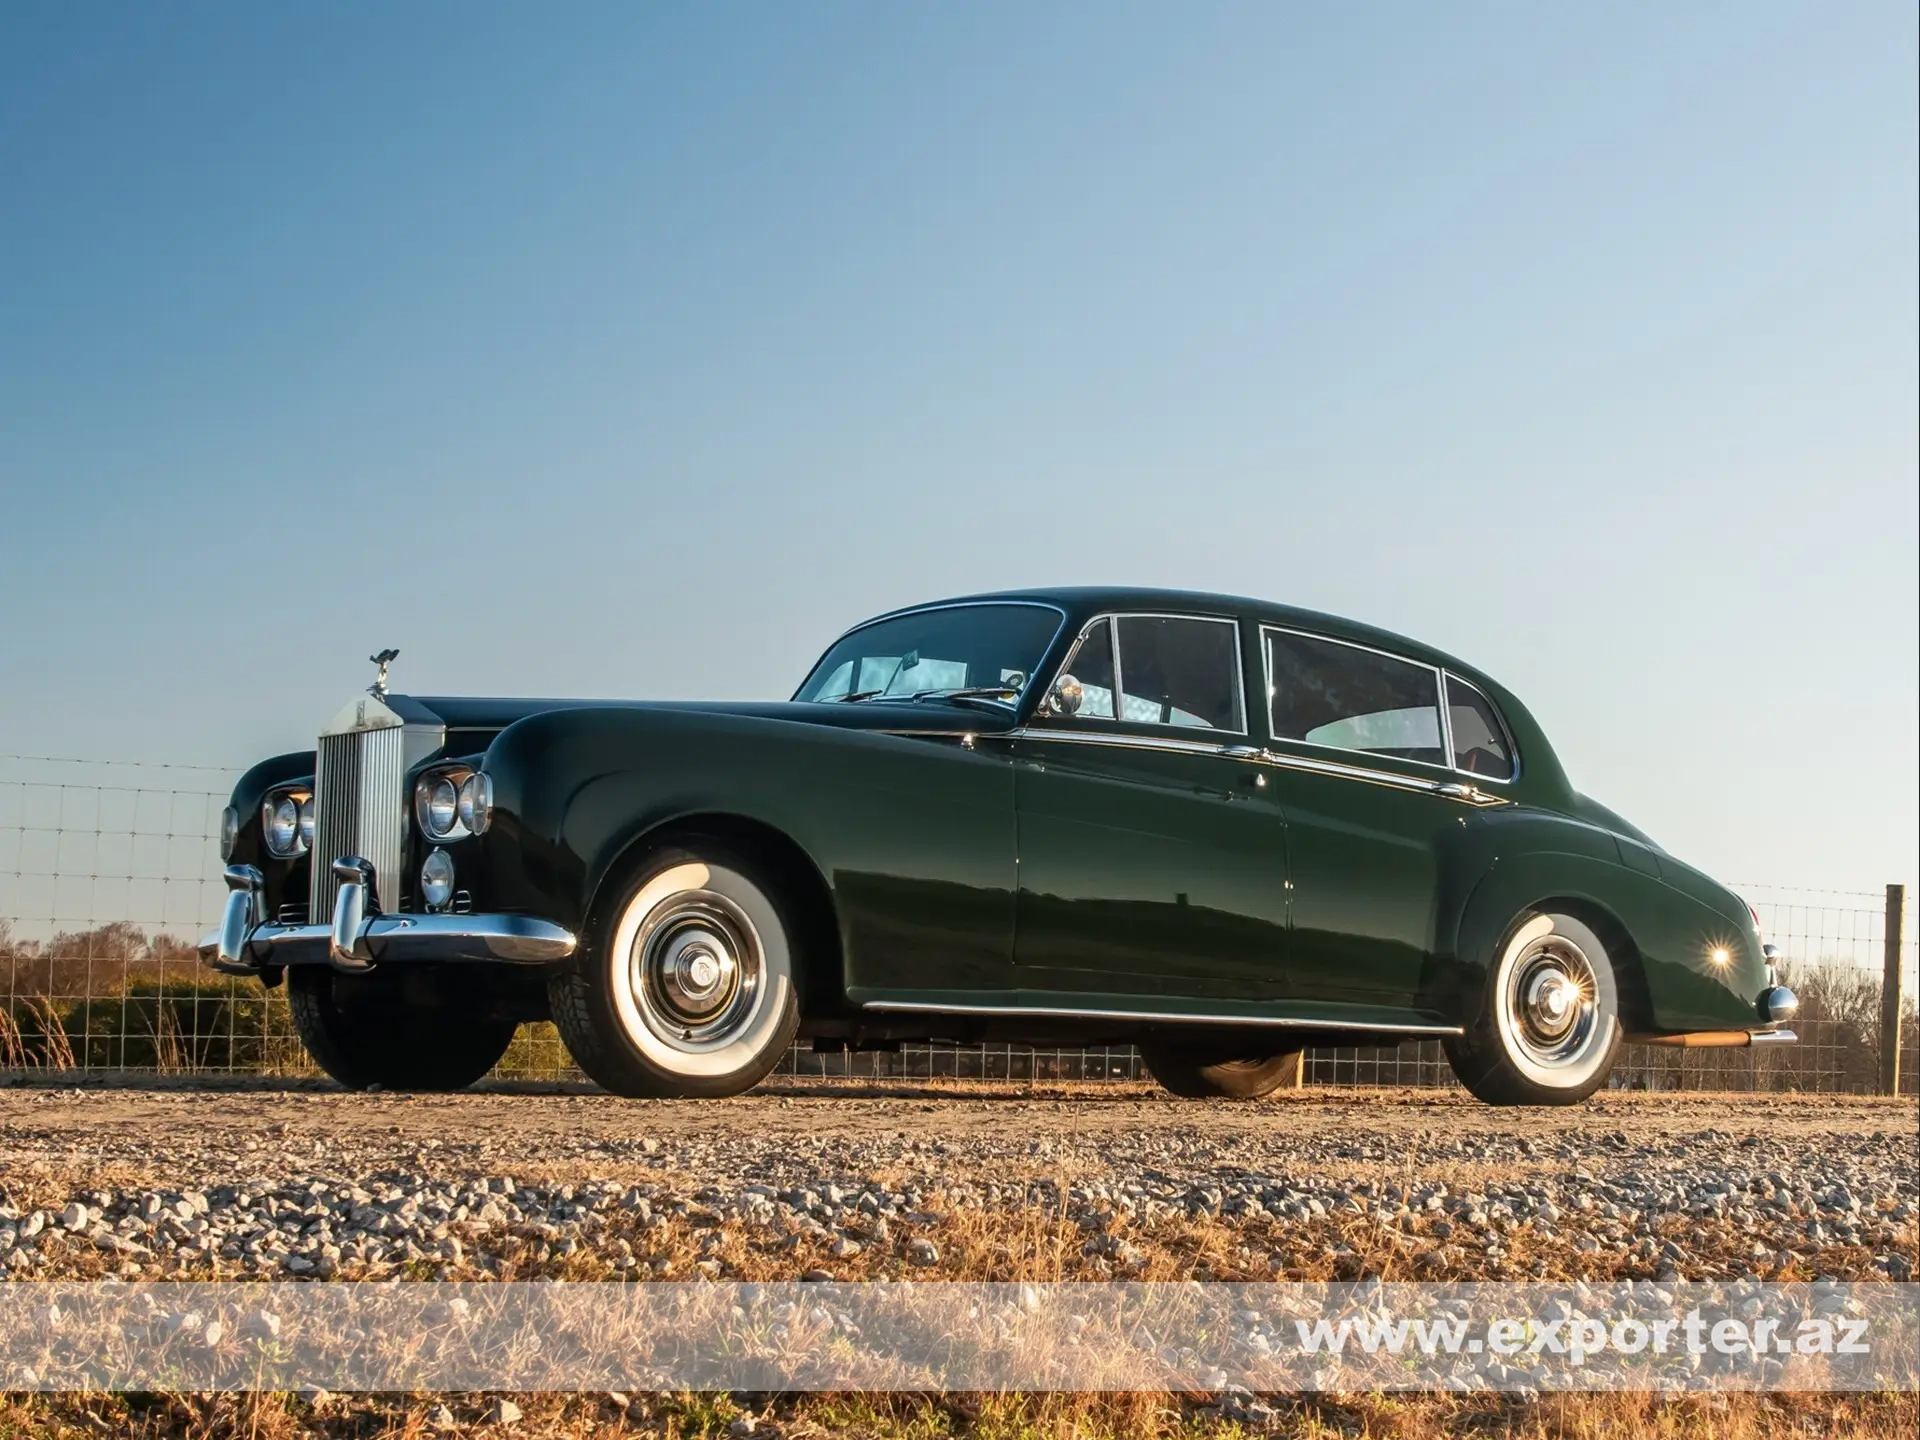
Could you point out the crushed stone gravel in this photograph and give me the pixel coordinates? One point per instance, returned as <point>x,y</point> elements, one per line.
<point>849,1181</point>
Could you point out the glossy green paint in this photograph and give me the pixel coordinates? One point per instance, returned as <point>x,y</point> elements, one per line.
<point>964,852</point>
<point>1367,858</point>
<point>913,836</point>
<point>1147,871</point>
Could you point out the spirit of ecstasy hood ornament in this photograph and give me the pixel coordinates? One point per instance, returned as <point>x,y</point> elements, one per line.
<point>379,687</point>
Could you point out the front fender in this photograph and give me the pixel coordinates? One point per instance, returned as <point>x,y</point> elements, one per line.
<point>912,836</point>
<point>282,878</point>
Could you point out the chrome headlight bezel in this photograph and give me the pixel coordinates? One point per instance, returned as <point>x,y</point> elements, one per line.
<point>437,874</point>
<point>475,802</point>
<point>436,803</point>
<point>286,821</point>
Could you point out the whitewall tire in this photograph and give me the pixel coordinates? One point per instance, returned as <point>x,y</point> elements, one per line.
<point>688,982</point>
<point>1547,1027</point>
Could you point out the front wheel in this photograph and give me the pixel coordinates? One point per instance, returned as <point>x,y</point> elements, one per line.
<point>1203,1073</point>
<point>1548,1023</point>
<point>365,1030</point>
<point>687,984</point>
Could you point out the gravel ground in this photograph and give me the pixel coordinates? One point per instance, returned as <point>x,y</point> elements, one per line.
<point>961,1181</point>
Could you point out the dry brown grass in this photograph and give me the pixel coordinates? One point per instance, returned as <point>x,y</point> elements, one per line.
<point>56,1049</point>
<point>974,1417</point>
<point>1037,1244</point>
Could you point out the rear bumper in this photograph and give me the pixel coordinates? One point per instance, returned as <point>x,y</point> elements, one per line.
<point>1774,1005</point>
<point>357,941</point>
<point>1718,1039</point>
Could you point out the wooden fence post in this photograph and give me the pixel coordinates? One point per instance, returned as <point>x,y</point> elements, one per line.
<point>1890,993</point>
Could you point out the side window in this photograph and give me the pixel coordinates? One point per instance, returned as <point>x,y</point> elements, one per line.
<point>1480,744</point>
<point>1177,671</point>
<point>1326,693</point>
<point>1092,665</point>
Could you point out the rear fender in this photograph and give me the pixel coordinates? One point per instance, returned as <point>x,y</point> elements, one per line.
<point>1665,940</point>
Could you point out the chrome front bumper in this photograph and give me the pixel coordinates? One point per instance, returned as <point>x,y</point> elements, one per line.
<point>360,937</point>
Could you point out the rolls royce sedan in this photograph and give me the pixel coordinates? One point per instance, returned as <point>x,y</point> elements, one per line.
<point>1217,829</point>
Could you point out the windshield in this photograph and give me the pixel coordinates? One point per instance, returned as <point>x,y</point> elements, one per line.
<point>989,649</point>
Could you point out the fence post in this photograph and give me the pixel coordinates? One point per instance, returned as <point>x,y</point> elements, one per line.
<point>1890,993</point>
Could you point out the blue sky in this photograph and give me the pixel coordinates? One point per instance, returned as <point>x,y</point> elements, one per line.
<point>623,350</point>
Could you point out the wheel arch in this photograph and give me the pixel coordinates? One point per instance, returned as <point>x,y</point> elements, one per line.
<point>785,863</point>
<point>1629,967</point>
<point>1509,893</point>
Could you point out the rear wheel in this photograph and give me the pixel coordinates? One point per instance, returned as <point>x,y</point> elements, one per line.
<point>1201,1072</point>
<point>364,1030</point>
<point>687,984</point>
<point>1548,1023</point>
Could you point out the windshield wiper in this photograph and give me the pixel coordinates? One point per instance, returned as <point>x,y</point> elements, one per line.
<point>970,692</point>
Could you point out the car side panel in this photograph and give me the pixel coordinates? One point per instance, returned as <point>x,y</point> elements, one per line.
<point>914,836</point>
<point>1371,872</point>
<point>1147,872</point>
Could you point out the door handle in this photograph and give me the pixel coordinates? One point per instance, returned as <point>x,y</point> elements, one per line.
<point>1454,790</point>
<point>1242,752</point>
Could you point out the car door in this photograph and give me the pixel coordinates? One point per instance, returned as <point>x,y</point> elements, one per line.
<point>1360,754</point>
<point>1149,862</point>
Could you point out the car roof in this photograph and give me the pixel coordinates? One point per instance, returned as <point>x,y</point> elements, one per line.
<point>1082,602</point>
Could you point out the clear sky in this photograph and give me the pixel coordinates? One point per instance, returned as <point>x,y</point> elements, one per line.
<point>637,350</point>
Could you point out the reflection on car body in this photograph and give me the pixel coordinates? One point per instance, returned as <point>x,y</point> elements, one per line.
<point>1215,828</point>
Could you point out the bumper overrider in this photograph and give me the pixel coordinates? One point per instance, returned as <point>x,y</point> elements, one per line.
<point>362,937</point>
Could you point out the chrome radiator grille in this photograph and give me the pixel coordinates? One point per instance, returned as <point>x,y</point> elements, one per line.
<point>360,808</point>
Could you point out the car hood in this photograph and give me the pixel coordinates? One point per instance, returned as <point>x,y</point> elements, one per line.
<point>468,715</point>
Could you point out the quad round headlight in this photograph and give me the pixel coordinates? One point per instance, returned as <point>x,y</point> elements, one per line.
<point>436,880</point>
<point>439,806</point>
<point>476,803</point>
<point>281,823</point>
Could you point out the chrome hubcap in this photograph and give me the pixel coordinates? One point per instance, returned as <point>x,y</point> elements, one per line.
<point>696,969</point>
<point>1551,1001</point>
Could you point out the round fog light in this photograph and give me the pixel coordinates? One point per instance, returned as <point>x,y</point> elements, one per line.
<point>436,880</point>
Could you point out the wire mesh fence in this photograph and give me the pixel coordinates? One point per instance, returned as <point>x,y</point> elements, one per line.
<point>109,874</point>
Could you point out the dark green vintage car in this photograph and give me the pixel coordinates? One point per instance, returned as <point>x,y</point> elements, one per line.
<point>1217,829</point>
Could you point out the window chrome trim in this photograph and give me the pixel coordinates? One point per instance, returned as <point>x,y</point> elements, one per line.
<point>1447,677</point>
<point>1112,619</point>
<point>1440,676</point>
<point>1156,1017</point>
<point>928,610</point>
<point>1445,789</point>
<point>1253,755</point>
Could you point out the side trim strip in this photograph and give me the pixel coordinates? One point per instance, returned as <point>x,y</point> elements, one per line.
<point>1460,790</point>
<point>1239,751</point>
<point>1157,1017</point>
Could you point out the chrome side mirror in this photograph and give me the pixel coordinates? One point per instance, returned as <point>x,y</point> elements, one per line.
<point>1066,696</point>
